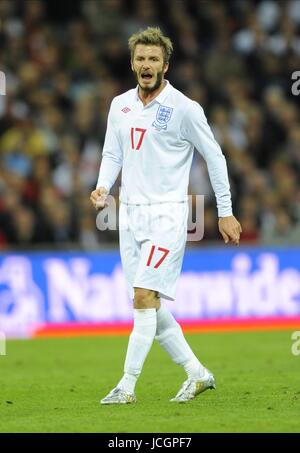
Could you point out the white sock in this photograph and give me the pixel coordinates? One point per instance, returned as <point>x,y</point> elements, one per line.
<point>140,342</point>
<point>171,338</point>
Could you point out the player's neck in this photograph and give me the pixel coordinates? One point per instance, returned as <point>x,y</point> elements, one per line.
<point>146,97</point>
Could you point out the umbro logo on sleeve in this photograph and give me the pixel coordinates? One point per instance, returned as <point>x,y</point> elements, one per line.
<point>126,109</point>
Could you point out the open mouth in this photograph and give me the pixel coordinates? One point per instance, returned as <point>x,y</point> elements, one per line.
<point>146,76</point>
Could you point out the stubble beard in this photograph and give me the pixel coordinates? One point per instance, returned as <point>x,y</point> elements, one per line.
<point>150,89</point>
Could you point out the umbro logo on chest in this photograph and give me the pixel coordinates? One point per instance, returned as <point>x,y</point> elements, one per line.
<point>162,117</point>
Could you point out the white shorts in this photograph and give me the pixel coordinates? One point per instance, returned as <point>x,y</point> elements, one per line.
<point>152,244</point>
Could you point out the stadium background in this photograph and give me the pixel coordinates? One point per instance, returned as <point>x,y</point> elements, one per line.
<point>64,62</point>
<point>63,65</point>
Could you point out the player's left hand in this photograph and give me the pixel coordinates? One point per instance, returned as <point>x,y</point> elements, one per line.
<point>230,229</point>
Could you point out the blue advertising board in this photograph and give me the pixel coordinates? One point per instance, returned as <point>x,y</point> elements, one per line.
<point>44,287</point>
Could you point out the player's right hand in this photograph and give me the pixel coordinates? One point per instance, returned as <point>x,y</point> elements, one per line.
<point>98,198</point>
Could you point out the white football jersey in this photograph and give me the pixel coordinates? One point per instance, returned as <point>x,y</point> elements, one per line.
<point>154,144</point>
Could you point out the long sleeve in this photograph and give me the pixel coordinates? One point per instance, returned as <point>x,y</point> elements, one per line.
<point>112,156</point>
<point>196,130</point>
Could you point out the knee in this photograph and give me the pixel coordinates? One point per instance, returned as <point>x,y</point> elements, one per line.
<point>146,298</point>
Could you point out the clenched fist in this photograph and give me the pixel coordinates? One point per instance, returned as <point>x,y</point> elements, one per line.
<point>98,198</point>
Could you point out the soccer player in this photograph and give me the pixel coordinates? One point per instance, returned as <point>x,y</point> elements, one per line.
<point>152,131</point>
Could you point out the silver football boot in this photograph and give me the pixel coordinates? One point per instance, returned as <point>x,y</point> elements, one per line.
<point>193,387</point>
<point>119,396</point>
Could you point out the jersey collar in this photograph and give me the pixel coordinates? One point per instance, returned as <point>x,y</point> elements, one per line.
<point>162,95</point>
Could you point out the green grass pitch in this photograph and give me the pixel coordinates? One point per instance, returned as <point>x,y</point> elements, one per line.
<point>54,385</point>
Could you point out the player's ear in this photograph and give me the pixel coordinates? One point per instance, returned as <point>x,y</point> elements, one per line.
<point>131,64</point>
<point>166,67</point>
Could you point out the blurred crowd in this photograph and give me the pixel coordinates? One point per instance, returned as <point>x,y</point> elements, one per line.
<point>65,61</point>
